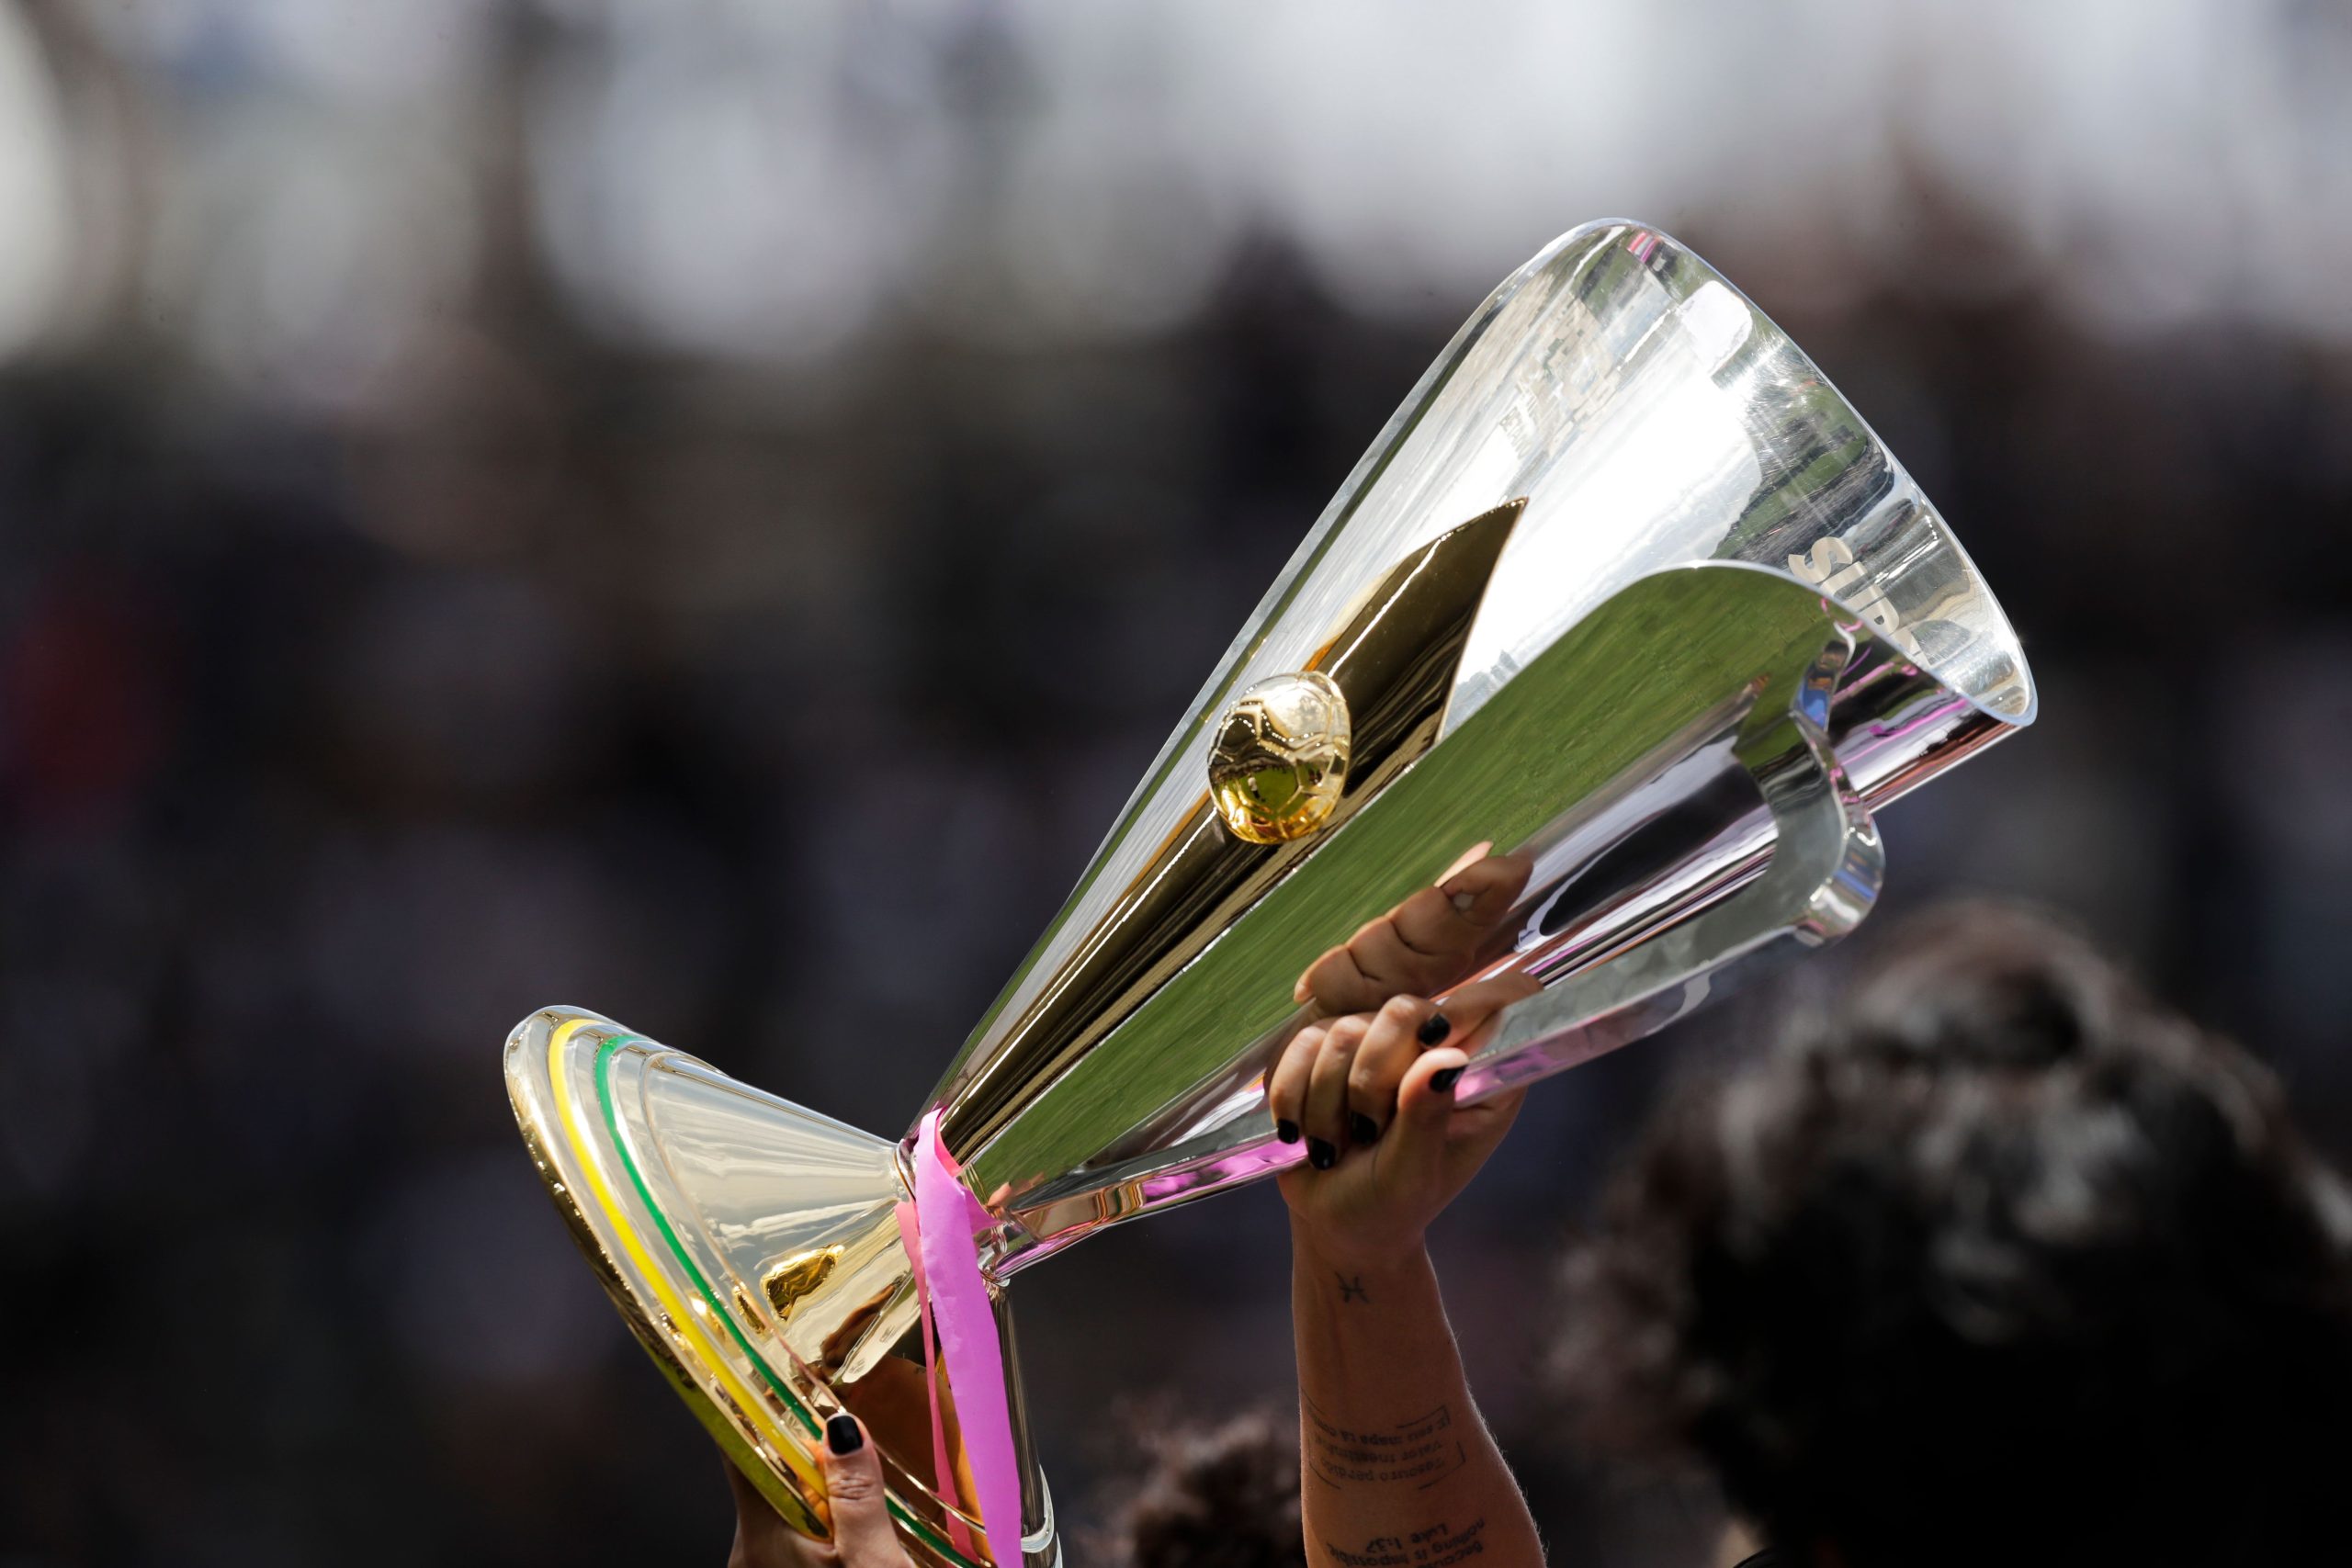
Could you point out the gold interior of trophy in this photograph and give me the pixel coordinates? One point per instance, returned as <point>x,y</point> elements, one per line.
<point>1393,656</point>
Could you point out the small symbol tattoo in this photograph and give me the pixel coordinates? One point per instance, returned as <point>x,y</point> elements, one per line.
<point>1351,1289</point>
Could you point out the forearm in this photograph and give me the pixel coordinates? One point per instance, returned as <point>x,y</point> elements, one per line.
<point>1396,1470</point>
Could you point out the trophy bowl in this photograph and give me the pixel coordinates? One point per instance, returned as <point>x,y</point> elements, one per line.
<point>1625,588</point>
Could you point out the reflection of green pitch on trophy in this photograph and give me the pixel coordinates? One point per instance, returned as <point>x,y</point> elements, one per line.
<point>1624,587</point>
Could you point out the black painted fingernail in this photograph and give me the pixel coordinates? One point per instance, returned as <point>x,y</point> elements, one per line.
<point>1363,1129</point>
<point>1286,1130</point>
<point>1444,1079</point>
<point>1434,1028</point>
<point>842,1436</point>
<point>1320,1155</point>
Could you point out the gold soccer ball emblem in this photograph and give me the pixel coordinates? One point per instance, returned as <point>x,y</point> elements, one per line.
<point>1280,760</point>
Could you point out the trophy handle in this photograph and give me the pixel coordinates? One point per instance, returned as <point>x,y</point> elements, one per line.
<point>1824,877</point>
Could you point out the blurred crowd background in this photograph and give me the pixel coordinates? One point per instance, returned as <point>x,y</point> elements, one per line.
<point>704,508</point>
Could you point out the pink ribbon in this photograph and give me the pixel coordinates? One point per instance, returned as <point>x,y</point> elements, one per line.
<point>958,1319</point>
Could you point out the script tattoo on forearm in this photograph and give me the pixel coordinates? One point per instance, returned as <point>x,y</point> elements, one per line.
<point>1421,1452</point>
<point>1440,1545</point>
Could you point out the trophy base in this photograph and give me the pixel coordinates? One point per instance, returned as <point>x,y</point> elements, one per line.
<point>754,1248</point>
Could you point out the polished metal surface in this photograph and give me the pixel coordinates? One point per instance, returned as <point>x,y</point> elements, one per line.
<point>1625,587</point>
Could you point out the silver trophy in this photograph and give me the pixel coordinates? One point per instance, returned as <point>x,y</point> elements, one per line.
<point>1624,588</point>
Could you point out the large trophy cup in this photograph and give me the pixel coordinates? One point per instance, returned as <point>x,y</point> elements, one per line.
<point>1625,588</point>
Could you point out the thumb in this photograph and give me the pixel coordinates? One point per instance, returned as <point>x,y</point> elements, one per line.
<point>862,1536</point>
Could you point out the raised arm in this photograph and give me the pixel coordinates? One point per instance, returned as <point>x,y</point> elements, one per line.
<point>1396,1469</point>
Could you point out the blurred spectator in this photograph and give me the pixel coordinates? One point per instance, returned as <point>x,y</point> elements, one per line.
<point>1206,1494</point>
<point>1997,1261</point>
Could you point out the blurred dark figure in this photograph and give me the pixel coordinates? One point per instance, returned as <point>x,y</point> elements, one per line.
<point>1223,1496</point>
<point>1999,1263</point>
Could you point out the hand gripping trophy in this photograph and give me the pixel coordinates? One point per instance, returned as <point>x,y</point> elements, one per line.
<point>1625,591</point>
